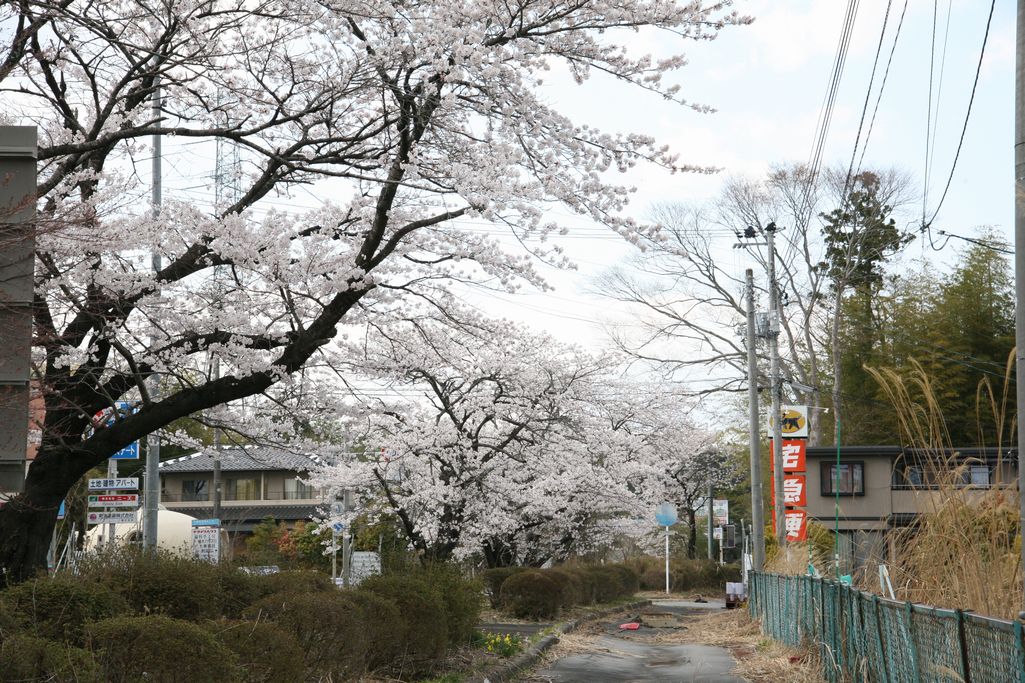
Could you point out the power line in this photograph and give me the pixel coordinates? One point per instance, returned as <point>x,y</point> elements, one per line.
<point>968,114</point>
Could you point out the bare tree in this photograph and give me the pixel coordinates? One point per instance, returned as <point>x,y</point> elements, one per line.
<point>690,302</point>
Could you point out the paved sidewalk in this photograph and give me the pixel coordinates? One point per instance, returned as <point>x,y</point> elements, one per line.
<point>616,656</point>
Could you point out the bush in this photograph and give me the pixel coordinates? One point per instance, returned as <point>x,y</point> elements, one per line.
<point>628,579</point>
<point>493,580</point>
<point>266,653</point>
<point>531,594</point>
<point>341,634</point>
<point>28,658</point>
<point>238,590</point>
<point>159,649</point>
<point>571,587</point>
<point>608,584</point>
<point>58,608</point>
<point>462,599</point>
<point>159,583</point>
<point>425,630</point>
<point>300,581</point>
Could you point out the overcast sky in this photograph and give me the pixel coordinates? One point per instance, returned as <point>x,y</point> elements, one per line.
<point>767,82</point>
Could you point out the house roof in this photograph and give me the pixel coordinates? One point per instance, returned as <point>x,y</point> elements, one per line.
<point>247,458</point>
<point>255,513</point>
<point>965,452</point>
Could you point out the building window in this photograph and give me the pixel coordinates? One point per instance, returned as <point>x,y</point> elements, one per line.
<point>979,476</point>
<point>242,489</point>
<point>845,479</point>
<point>195,489</point>
<point>297,490</point>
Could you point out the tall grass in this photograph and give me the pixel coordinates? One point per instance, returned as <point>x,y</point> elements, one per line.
<point>964,550</point>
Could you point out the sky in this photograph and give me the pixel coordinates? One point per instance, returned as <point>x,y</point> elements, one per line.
<point>767,82</point>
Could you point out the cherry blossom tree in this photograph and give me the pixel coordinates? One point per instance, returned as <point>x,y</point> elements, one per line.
<point>417,116</point>
<point>504,444</point>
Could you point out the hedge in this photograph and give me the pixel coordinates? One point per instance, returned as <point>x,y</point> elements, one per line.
<point>29,658</point>
<point>684,575</point>
<point>266,653</point>
<point>58,609</point>
<point>541,593</point>
<point>159,649</point>
<point>493,580</point>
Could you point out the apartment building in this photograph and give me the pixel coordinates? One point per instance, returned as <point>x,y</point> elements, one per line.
<point>867,491</point>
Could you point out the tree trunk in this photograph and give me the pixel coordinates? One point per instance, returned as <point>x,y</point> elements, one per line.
<point>28,519</point>
<point>692,538</point>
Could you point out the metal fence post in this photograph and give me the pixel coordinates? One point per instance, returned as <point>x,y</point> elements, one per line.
<point>912,645</point>
<point>1020,646</point>
<point>884,665</point>
<point>962,643</point>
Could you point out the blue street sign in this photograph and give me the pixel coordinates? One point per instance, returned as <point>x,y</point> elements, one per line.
<point>129,452</point>
<point>338,527</point>
<point>666,514</point>
<point>61,513</point>
<point>206,522</point>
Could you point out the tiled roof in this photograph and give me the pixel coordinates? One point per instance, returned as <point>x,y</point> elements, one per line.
<point>241,458</point>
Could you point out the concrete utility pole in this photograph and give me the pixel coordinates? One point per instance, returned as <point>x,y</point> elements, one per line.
<point>347,540</point>
<point>776,388</point>
<point>710,520</point>
<point>17,260</point>
<point>152,492</point>
<point>757,505</point>
<point>1019,252</point>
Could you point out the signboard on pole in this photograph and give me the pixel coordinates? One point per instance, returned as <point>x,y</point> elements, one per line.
<point>206,540</point>
<point>95,517</point>
<point>795,490</point>
<point>793,422</point>
<point>795,453</point>
<point>720,512</point>
<point>114,500</point>
<point>666,514</point>
<point>109,416</point>
<point>113,483</point>
<point>796,525</point>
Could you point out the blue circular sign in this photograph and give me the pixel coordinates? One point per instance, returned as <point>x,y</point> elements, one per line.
<point>666,514</point>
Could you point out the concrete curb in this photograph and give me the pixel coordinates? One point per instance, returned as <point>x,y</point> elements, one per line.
<point>507,671</point>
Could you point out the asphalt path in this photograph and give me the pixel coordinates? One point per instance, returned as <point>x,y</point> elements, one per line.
<point>619,656</point>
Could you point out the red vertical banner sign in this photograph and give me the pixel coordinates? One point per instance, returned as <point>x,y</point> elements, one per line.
<point>795,489</point>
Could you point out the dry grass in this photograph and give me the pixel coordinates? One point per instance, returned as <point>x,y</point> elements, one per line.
<point>759,658</point>
<point>965,551</point>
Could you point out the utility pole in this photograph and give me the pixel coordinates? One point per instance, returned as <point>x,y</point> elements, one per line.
<point>152,491</point>
<point>776,388</point>
<point>757,505</point>
<point>1019,252</point>
<point>710,520</point>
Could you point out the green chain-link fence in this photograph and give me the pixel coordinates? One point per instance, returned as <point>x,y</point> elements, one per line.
<point>862,637</point>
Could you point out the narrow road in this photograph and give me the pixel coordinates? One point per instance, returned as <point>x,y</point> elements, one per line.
<point>603,653</point>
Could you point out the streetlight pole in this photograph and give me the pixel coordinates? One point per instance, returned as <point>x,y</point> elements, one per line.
<point>1019,252</point>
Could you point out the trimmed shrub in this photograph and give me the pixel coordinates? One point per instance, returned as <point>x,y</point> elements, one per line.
<point>425,630</point>
<point>28,658</point>
<point>299,581</point>
<point>159,583</point>
<point>238,590</point>
<point>571,587</point>
<point>607,583</point>
<point>628,579</point>
<point>341,634</point>
<point>462,598</point>
<point>493,580</point>
<point>159,649</point>
<point>58,608</point>
<point>266,653</point>
<point>531,594</point>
